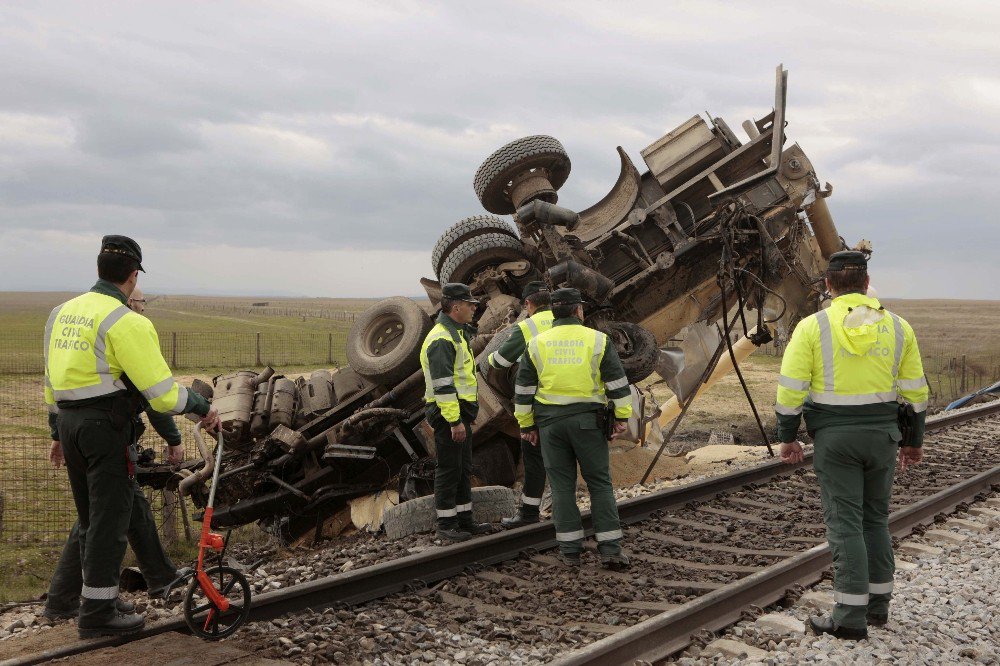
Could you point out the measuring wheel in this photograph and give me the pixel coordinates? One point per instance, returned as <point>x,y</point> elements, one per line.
<point>219,612</point>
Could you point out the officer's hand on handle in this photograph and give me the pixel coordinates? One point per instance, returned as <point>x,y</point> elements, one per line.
<point>791,452</point>
<point>620,427</point>
<point>56,454</point>
<point>909,456</point>
<point>175,453</point>
<point>458,432</point>
<point>531,437</point>
<point>210,422</point>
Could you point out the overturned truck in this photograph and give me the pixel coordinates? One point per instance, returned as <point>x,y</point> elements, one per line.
<point>713,225</point>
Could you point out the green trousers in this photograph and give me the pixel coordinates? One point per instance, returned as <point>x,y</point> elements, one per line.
<point>534,479</point>
<point>566,442</point>
<point>855,469</point>
<point>97,465</point>
<point>453,471</point>
<point>154,563</point>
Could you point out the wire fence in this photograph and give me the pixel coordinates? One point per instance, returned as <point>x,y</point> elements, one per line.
<point>22,354</point>
<point>259,308</point>
<point>36,503</point>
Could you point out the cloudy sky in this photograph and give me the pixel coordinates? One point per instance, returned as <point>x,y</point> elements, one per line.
<point>320,148</point>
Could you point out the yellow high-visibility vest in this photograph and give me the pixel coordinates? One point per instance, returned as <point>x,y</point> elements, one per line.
<point>92,340</point>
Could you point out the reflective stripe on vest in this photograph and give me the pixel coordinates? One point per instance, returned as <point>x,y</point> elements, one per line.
<point>463,374</point>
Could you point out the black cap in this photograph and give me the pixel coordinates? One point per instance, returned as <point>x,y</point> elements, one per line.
<point>458,291</point>
<point>566,296</point>
<point>533,288</point>
<point>848,259</point>
<point>122,245</point>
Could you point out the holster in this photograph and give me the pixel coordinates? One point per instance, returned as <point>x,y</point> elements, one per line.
<point>907,420</point>
<point>606,421</point>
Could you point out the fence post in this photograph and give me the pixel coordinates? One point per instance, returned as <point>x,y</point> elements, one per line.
<point>963,389</point>
<point>169,524</point>
<point>258,348</point>
<point>173,349</point>
<point>329,348</point>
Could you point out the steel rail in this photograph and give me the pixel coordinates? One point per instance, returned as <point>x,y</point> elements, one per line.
<point>419,570</point>
<point>659,637</point>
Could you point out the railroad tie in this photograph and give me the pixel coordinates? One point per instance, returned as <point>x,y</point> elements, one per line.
<point>705,586</point>
<point>528,618</point>
<point>717,547</point>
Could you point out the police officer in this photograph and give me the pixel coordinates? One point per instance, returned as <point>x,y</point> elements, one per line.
<point>63,598</point>
<point>103,366</point>
<point>563,384</point>
<point>451,395</point>
<point>844,369</point>
<point>537,303</point>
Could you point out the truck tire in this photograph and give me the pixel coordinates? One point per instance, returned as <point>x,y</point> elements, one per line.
<point>637,349</point>
<point>477,253</point>
<point>384,343</point>
<point>525,154</point>
<point>490,504</point>
<point>493,462</point>
<point>465,229</point>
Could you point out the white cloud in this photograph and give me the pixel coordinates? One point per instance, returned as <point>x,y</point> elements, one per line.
<point>347,134</point>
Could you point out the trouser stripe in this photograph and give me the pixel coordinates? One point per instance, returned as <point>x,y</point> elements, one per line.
<point>850,599</point>
<point>462,508</point>
<point>880,588</point>
<point>610,535</point>
<point>532,501</point>
<point>447,513</point>
<point>99,592</point>
<point>569,536</point>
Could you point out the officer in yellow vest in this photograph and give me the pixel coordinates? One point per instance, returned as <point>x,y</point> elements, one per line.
<point>63,598</point>
<point>537,303</point>
<point>451,395</point>
<point>844,370</point>
<point>102,367</point>
<point>563,384</point>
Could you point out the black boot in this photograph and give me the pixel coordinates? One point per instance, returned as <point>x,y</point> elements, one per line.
<point>878,619</point>
<point>826,625</point>
<point>619,562</point>
<point>523,517</point>
<point>467,524</point>
<point>448,530</point>
<point>179,578</point>
<point>121,605</point>
<point>119,624</point>
<point>570,559</point>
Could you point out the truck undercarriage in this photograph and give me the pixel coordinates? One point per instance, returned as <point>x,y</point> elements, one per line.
<point>712,225</point>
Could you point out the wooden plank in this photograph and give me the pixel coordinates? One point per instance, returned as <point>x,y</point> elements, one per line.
<point>754,519</point>
<point>732,568</point>
<point>505,579</point>
<point>694,523</point>
<point>717,547</point>
<point>705,586</point>
<point>654,606</point>
<point>529,618</point>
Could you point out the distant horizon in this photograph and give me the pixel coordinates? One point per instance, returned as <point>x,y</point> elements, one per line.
<point>413,296</point>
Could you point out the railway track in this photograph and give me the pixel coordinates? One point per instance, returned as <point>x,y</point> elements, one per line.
<point>701,554</point>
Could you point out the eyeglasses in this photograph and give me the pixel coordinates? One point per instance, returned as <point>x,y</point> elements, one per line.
<point>137,300</point>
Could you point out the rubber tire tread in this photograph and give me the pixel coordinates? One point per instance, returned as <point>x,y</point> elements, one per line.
<point>463,262</point>
<point>404,359</point>
<point>640,364</point>
<point>507,156</point>
<point>463,230</point>
<point>490,504</point>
